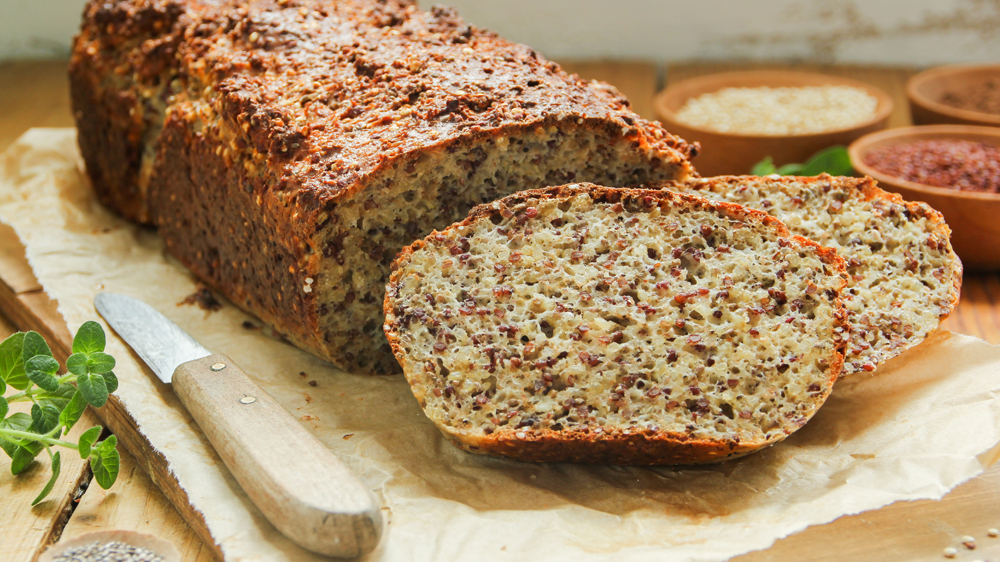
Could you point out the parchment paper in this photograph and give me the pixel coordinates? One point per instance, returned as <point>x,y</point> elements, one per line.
<point>928,421</point>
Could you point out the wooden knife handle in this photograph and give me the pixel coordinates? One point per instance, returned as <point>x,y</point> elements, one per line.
<point>293,478</point>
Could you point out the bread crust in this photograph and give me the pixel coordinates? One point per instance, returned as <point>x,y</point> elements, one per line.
<point>606,445</point>
<point>866,189</point>
<point>243,130</point>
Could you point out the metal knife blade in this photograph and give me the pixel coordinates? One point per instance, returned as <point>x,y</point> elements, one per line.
<point>315,500</point>
<point>163,345</point>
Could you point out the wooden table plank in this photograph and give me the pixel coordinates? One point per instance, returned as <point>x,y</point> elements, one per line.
<point>135,504</point>
<point>32,94</point>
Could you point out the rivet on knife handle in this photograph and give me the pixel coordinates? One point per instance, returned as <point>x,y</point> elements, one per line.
<point>295,481</point>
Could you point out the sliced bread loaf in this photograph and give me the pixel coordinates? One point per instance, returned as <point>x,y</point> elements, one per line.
<point>904,276</point>
<point>591,324</point>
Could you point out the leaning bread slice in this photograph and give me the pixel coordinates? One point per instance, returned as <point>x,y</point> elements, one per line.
<point>591,324</point>
<point>904,276</point>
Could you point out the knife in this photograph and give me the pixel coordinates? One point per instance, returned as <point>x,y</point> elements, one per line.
<point>292,478</point>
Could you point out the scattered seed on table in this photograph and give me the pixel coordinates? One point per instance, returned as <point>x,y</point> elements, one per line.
<point>993,533</point>
<point>114,551</point>
<point>969,542</point>
<point>950,552</point>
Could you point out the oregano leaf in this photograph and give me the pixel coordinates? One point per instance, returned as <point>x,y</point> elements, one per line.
<point>60,397</point>
<point>12,361</point>
<point>834,160</point>
<point>87,440</point>
<point>93,388</point>
<point>19,422</point>
<point>77,363</point>
<point>100,362</point>
<point>73,410</point>
<point>111,381</point>
<point>20,460</point>
<point>105,462</point>
<point>791,170</point>
<point>764,168</point>
<point>52,480</point>
<point>89,338</point>
<point>41,369</point>
<point>44,418</point>
<point>34,344</point>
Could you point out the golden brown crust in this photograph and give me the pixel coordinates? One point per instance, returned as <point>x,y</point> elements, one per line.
<point>606,444</point>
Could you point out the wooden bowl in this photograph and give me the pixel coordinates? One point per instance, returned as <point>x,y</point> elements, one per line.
<point>725,153</point>
<point>925,89</point>
<point>974,218</point>
<point>149,542</point>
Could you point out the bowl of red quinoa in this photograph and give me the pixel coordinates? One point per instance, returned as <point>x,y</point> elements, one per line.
<point>953,168</point>
<point>958,94</point>
<point>742,117</point>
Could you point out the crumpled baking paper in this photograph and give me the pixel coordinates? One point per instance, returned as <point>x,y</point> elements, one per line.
<point>928,421</point>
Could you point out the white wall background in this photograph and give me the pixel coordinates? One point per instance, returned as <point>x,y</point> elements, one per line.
<point>908,32</point>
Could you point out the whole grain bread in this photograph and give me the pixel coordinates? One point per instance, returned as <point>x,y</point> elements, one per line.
<point>904,276</point>
<point>287,150</point>
<point>590,324</point>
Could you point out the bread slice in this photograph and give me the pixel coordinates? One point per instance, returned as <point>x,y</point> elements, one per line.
<point>904,276</point>
<point>592,324</point>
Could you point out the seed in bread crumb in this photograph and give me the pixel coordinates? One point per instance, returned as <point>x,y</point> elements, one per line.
<point>950,552</point>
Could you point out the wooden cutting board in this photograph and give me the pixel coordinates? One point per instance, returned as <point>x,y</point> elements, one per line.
<point>903,531</point>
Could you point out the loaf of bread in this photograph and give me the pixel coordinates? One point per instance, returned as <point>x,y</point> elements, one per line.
<point>287,150</point>
<point>904,276</point>
<point>590,324</point>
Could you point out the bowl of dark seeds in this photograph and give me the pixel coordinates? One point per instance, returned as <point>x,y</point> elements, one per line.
<point>112,546</point>
<point>958,94</point>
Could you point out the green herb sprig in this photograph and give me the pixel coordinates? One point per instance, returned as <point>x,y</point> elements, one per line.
<point>834,161</point>
<point>27,366</point>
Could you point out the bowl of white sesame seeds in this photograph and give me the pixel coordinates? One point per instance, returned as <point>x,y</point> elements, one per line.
<point>111,546</point>
<point>742,117</point>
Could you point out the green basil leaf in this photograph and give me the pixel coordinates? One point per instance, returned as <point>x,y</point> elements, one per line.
<point>111,380</point>
<point>89,338</point>
<point>105,462</point>
<point>44,418</point>
<point>12,361</point>
<point>791,170</point>
<point>41,370</point>
<point>3,387</point>
<point>4,407</point>
<point>87,440</point>
<point>77,363</point>
<point>94,389</point>
<point>52,480</point>
<point>73,410</point>
<point>21,459</point>
<point>834,161</point>
<point>100,362</point>
<point>34,344</point>
<point>764,168</point>
<point>18,422</point>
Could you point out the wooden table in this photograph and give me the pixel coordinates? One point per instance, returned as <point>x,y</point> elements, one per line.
<point>35,95</point>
